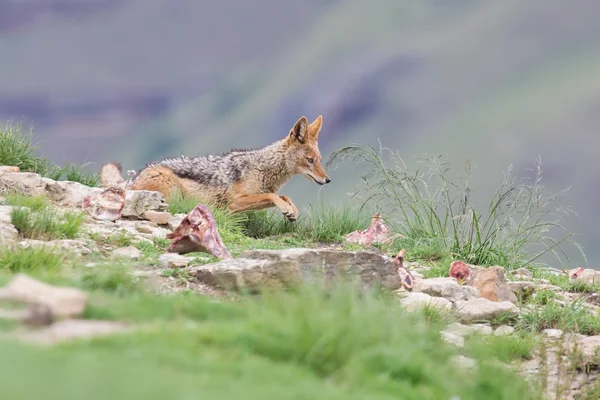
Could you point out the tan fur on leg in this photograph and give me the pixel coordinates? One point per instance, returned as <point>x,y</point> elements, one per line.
<point>254,202</point>
<point>160,179</point>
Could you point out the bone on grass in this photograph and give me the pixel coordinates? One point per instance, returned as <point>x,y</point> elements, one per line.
<point>377,232</point>
<point>198,232</point>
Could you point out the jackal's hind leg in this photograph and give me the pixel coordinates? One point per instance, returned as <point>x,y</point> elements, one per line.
<point>159,179</point>
<point>254,202</point>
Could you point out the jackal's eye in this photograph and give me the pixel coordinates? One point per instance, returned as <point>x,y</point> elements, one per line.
<point>310,160</point>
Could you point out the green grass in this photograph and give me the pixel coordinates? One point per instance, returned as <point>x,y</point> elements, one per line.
<point>308,344</point>
<point>505,348</point>
<point>17,149</point>
<point>74,173</point>
<point>34,203</point>
<point>47,224</point>
<point>109,277</point>
<point>121,239</point>
<point>324,224</point>
<point>30,260</point>
<point>574,316</point>
<point>521,225</point>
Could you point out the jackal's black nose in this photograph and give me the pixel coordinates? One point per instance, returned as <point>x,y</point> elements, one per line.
<point>327,180</point>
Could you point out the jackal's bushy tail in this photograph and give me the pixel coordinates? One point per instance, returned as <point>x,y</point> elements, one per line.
<point>110,175</point>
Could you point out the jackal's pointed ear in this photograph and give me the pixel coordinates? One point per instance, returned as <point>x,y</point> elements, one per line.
<point>314,128</point>
<point>300,130</point>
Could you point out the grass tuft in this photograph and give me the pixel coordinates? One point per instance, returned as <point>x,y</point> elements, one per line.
<point>30,259</point>
<point>573,316</point>
<point>521,225</point>
<point>17,149</point>
<point>46,224</point>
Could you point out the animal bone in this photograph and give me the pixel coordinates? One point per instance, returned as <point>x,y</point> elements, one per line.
<point>405,276</point>
<point>198,232</point>
<point>459,271</point>
<point>377,231</point>
<point>107,206</point>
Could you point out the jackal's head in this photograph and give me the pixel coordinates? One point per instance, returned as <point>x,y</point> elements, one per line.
<point>303,150</point>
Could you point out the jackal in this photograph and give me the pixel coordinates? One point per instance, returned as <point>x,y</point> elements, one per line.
<point>240,180</point>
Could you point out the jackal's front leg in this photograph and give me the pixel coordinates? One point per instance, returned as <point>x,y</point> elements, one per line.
<point>254,202</point>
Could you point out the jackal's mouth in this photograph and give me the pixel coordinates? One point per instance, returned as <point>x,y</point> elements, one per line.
<point>316,181</point>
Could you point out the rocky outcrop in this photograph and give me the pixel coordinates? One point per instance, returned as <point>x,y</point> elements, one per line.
<point>491,284</point>
<point>483,309</point>
<point>277,269</point>
<point>445,287</point>
<point>72,194</point>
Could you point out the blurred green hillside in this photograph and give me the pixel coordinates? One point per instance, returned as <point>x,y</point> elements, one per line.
<point>499,82</point>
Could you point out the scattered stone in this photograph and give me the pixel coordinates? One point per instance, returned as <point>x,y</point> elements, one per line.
<point>76,246</point>
<point>522,272</point>
<point>8,234</point>
<point>545,286</point>
<point>143,228</point>
<point>26,183</point>
<point>62,301</point>
<point>137,202</point>
<point>504,330</point>
<point>377,232</point>
<point>463,362</point>
<point>129,252</point>
<point>445,287</point>
<point>279,269</point>
<point>589,346</point>
<point>157,217</point>
<point>70,194</point>
<point>5,214</point>
<point>491,284</point>
<point>175,220</point>
<point>172,260</point>
<point>522,288</point>
<point>453,339</point>
<point>414,301</point>
<point>34,315</point>
<point>552,333</point>
<point>198,232</point>
<point>465,330</point>
<point>484,309</point>
<point>72,329</point>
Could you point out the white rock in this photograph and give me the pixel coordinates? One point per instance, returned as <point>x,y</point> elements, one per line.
<point>453,339</point>
<point>415,300</point>
<point>129,252</point>
<point>157,217</point>
<point>445,287</point>
<point>483,309</point>
<point>173,260</point>
<point>464,330</point>
<point>504,330</point>
<point>463,362</point>
<point>8,234</point>
<point>553,333</point>
<point>77,246</point>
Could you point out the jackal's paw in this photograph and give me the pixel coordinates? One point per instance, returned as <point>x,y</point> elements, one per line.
<point>290,215</point>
